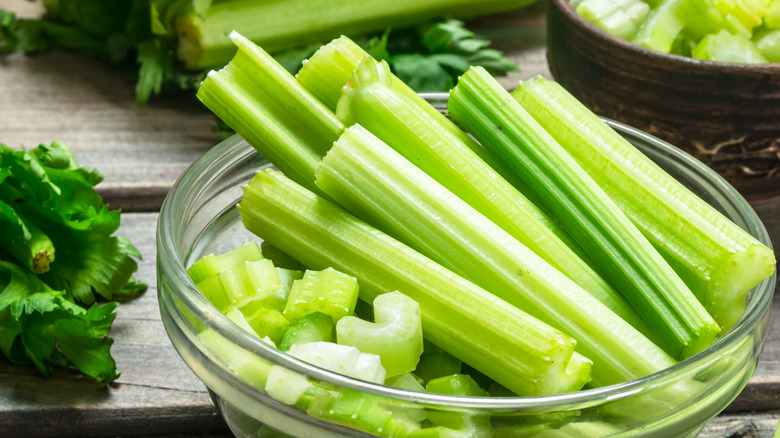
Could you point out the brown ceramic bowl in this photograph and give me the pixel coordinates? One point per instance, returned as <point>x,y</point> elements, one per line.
<point>727,115</point>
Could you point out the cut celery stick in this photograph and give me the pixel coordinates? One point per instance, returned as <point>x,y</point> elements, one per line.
<point>426,140</point>
<point>376,183</point>
<point>396,335</point>
<point>554,180</point>
<point>313,327</point>
<point>264,104</point>
<point>280,259</point>
<point>279,25</point>
<point>725,47</point>
<point>494,337</point>
<point>330,69</point>
<point>719,261</point>
<point>210,265</point>
<point>328,291</point>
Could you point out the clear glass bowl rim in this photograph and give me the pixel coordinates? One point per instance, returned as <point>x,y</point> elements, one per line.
<point>171,264</point>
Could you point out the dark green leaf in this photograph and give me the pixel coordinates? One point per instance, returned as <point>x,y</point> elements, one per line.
<point>420,72</point>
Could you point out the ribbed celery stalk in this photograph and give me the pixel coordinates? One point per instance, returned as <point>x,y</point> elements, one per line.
<point>377,184</point>
<point>263,103</point>
<point>508,345</point>
<point>719,261</point>
<point>279,25</point>
<point>554,181</point>
<point>325,74</point>
<point>425,139</point>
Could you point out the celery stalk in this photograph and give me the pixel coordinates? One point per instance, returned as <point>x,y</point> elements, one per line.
<point>280,25</point>
<point>326,73</point>
<point>264,104</point>
<point>427,140</point>
<point>499,340</point>
<point>718,260</point>
<point>556,182</point>
<point>377,184</point>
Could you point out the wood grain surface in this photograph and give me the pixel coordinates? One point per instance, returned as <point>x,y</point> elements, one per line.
<point>141,151</point>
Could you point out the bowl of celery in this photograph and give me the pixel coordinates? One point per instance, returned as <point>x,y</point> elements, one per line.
<point>355,264</point>
<point>684,71</point>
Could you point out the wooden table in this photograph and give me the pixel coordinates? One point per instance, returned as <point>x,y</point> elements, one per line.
<point>141,151</point>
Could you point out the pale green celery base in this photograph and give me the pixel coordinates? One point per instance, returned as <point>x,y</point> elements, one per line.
<point>554,179</point>
<point>426,140</point>
<point>495,338</point>
<point>374,182</point>
<point>280,25</point>
<point>719,261</point>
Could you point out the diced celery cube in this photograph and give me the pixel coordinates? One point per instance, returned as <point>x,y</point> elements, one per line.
<point>769,45</point>
<point>328,291</point>
<point>211,264</point>
<point>314,327</point>
<point>265,321</point>
<point>213,290</point>
<point>725,47</point>
<point>772,15</point>
<point>437,364</point>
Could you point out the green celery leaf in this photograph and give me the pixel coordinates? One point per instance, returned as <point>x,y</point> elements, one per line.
<point>154,64</point>
<point>89,263</point>
<point>376,46</point>
<point>421,72</point>
<point>39,325</point>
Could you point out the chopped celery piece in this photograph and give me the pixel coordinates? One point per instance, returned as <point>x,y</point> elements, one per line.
<point>286,386</point>
<point>725,47</point>
<point>373,181</point>
<point>465,422</point>
<point>260,282</point>
<point>264,104</point>
<point>405,381</point>
<point>330,69</point>
<point>280,259</point>
<point>772,15</point>
<point>214,291</point>
<point>362,411</point>
<point>238,319</point>
<point>498,339</point>
<point>328,291</point>
<point>719,261</point>
<point>265,321</point>
<point>665,21</point>
<point>554,180</point>
<point>437,364</point>
<point>313,327</point>
<point>428,141</point>
<point>279,25</point>
<point>246,365</point>
<point>619,18</point>
<point>456,384</point>
<point>210,265</point>
<point>769,45</point>
<point>342,359</point>
<point>396,335</point>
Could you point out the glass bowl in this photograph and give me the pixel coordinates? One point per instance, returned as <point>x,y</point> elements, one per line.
<point>199,217</point>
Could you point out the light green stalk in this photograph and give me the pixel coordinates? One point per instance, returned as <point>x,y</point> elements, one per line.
<point>555,182</point>
<point>508,345</point>
<point>719,261</point>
